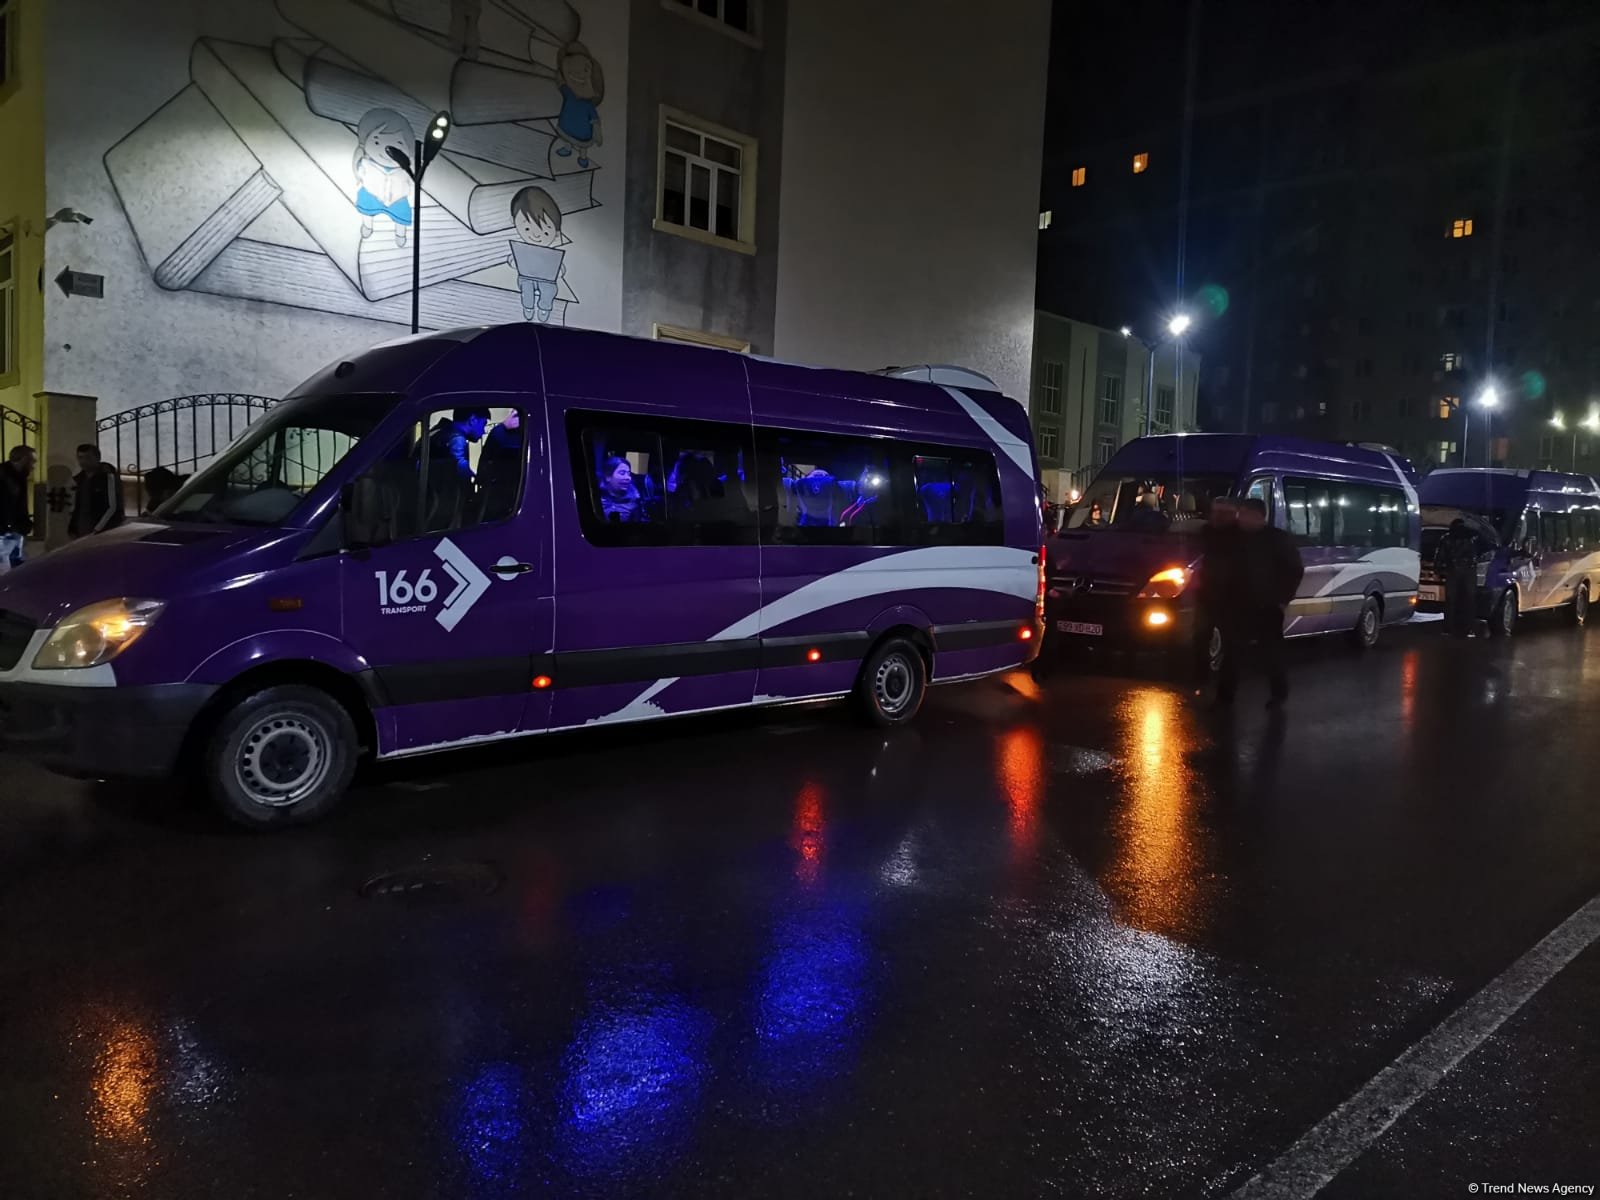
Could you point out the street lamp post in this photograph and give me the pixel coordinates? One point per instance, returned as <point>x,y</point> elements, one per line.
<point>1488,400</point>
<point>1176,328</point>
<point>416,166</point>
<point>1591,423</point>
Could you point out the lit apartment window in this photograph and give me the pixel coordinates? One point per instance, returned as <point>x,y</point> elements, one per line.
<point>1450,362</point>
<point>1110,399</point>
<point>737,15</point>
<point>1080,176</point>
<point>1045,218</point>
<point>1165,397</point>
<point>1447,406</point>
<point>697,337</point>
<point>1049,442</point>
<point>707,184</point>
<point>8,302</point>
<point>1447,451</point>
<point>1461,228</point>
<point>1050,376</point>
<point>1140,163</point>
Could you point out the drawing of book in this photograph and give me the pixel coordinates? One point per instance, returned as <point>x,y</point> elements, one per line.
<point>307,279</point>
<point>482,93</point>
<point>556,19</point>
<point>489,207</point>
<point>188,185</point>
<point>503,32</point>
<point>310,157</point>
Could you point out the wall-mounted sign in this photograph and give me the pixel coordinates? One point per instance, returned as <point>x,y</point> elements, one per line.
<point>81,283</point>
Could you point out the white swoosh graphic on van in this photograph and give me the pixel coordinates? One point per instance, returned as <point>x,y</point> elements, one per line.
<point>1009,443</point>
<point>1401,561</point>
<point>1001,569</point>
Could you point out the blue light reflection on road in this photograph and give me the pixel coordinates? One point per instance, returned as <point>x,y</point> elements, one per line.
<point>491,1129</point>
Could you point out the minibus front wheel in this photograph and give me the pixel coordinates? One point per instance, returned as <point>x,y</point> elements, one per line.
<point>1580,605</point>
<point>282,755</point>
<point>1369,624</point>
<point>1504,621</point>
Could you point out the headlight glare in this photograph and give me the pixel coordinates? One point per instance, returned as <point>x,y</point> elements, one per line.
<point>96,634</point>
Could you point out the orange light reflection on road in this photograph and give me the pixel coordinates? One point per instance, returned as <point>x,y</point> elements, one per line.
<point>124,1078</point>
<point>1022,775</point>
<point>809,835</point>
<point>1409,664</point>
<point>1153,879</point>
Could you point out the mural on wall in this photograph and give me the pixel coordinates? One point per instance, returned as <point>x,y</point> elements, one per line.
<point>267,177</point>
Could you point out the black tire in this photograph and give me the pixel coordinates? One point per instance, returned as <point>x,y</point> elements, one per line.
<point>281,756</point>
<point>1580,605</point>
<point>1216,649</point>
<point>893,683</point>
<point>1369,624</point>
<point>1503,623</point>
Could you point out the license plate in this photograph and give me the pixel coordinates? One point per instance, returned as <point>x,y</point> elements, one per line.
<point>1426,592</point>
<point>1080,627</point>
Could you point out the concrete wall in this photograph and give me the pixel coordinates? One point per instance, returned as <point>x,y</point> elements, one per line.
<point>911,184</point>
<point>696,68</point>
<point>214,145</point>
<point>22,210</point>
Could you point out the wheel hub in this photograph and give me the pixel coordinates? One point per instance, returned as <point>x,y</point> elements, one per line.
<point>282,760</point>
<point>893,684</point>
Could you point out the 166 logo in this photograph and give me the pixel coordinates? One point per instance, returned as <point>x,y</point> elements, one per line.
<point>399,591</point>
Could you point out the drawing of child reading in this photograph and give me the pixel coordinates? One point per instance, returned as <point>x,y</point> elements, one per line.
<point>583,87</point>
<point>537,255</point>
<point>384,188</point>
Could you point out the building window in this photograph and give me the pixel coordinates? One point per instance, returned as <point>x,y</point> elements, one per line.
<point>1045,218</point>
<point>1461,228</point>
<point>706,182</point>
<point>8,302</point>
<point>1447,406</point>
<point>733,16</point>
<point>1547,448</point>
<point>1165,397</point>
<point>1446,451</point>
<point>1141,163</point>
<point>1450,362</point>
<point>1104,447</point>
<point>1050,376</point>
<point>1049,442</point>
<point>1110,399</point>
<point>697,337</point>
<point>1080,176</point>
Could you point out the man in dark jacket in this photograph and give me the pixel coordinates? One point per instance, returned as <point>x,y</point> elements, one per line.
<point>1457,561</point>
<point>1219,562</point>
<point>97,503</point>
<point>15,521</point>
<point>1268,576</point>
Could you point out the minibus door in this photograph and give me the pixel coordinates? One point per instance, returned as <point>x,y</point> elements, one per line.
<point>450,598</point>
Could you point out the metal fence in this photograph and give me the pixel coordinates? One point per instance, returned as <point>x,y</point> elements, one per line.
<point>182,434</point>
<point>16,429</point>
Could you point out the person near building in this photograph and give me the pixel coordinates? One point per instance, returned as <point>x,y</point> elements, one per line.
<point>16,523</point>
<point>97,503</point>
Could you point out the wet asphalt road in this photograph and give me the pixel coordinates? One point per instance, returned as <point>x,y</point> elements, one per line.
<point>1081,939</point>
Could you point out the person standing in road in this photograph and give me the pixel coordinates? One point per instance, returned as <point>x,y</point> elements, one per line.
<point>1219,563</point>
<point>1457,561</point>
<point>16,523</point>
<point>97,503</point>
<point>1268,575</point>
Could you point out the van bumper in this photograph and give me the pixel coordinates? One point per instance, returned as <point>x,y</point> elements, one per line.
<point>100,733</point>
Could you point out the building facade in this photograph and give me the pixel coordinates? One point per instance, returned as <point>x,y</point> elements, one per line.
<point>1368,248</point>
<point>1091,388</point>
<point>744,173</point>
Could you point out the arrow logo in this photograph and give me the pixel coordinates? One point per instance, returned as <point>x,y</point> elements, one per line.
<point>470,582</point>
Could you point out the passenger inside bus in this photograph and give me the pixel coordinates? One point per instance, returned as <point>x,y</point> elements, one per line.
<point>620,498</point>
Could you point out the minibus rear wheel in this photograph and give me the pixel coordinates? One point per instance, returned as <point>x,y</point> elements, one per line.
<point>281,756</point>
<point>1580,605</point>
<point>893,683</point>
<point>1369,624</point>
<point>1504,621</point>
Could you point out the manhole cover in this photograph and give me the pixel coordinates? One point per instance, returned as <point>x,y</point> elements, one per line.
<point>441,881</point>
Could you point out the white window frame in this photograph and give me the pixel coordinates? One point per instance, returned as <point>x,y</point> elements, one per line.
<point>1052,375</point>
<point>1109,404</point>
<point>691,12</point>
<point>748,148</point>
<point>1171,394</point>
<point>1050,443</point>
<point>10,319</point>
<point>1105,448</point>
<point>697,337</point>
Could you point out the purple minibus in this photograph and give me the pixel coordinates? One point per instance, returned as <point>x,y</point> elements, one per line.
<point>1124,566</point>
<point>491,533</point>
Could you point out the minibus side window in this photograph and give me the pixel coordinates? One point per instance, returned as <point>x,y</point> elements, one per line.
<point>957,498</point>
<point>1555,532</point>
<point>1308,504</point>
<point>455,469</point>
<point>644,482</point>
<point>1261,489</point>
<point>821,489</point>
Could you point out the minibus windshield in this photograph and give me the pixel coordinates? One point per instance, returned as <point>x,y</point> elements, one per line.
<point>264,476</point>
<point>1150,502</point>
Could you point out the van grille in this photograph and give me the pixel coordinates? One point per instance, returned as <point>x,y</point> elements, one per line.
<point>1098,586</point>
<point>15,633</point>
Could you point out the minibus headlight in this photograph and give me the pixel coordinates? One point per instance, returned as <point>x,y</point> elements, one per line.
<point>1165,584</point>
<point>96,634</point>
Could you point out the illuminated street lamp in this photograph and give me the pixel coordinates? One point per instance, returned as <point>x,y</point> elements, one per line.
<point>1177,326</point>
<point>1488,400</point>
<point>415,165</point>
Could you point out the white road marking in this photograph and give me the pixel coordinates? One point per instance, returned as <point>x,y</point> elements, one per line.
<point>1331,1145</point>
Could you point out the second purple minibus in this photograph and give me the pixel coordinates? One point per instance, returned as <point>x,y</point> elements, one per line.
<point>487,534</point>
